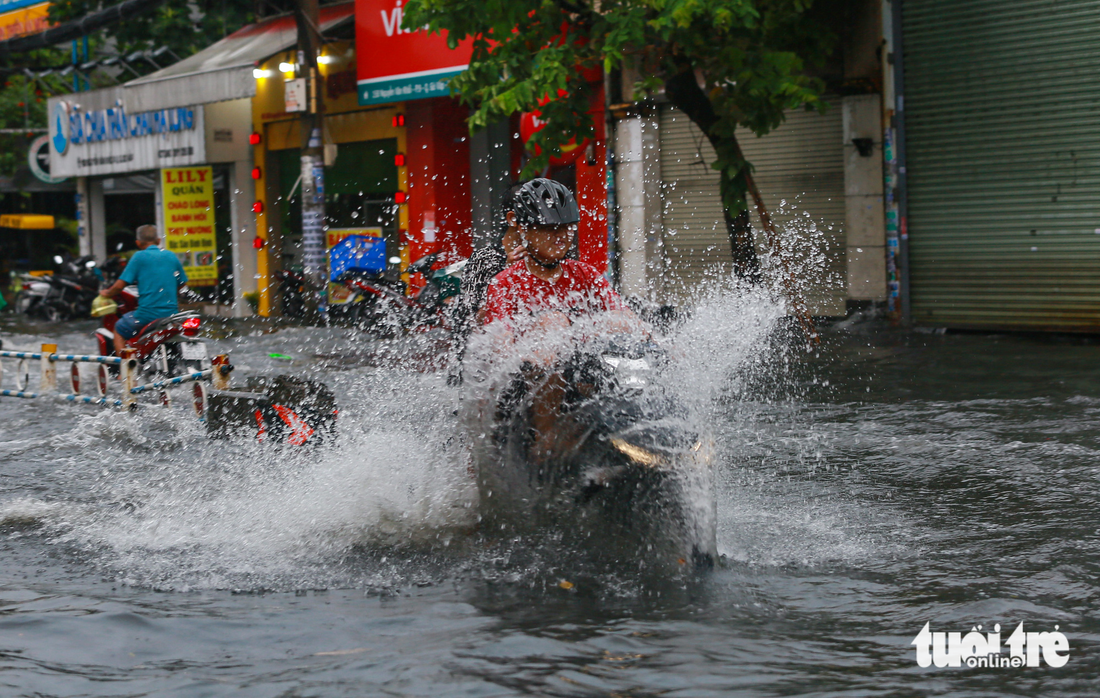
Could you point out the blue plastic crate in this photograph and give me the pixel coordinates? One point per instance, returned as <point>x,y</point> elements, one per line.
<point>358,253</point>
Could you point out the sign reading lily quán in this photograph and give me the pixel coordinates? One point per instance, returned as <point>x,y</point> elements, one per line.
<point>395,65</point>
<point>188,195</point>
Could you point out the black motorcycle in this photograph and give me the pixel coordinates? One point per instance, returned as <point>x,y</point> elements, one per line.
<point>72,288</point>
<point>294,289</point>
<point>623,470</point>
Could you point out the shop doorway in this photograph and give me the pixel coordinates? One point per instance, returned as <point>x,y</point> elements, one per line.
<point>359,190</point>
<point>129,201</point>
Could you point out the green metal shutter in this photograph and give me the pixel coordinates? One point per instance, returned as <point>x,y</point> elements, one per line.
<point>799,168</point>
<point>1002,111</point>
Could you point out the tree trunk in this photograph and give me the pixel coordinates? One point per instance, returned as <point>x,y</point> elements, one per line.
<point>684,92</point>
<point>743,246</point>
<point>686,95</point>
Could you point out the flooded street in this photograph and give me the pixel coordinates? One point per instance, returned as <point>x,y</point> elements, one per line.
<point>892,479</point>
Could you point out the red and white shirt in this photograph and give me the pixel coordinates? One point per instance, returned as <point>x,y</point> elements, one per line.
<point>515,293</point>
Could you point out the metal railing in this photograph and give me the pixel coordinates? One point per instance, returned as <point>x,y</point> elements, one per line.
<point>48,358</point>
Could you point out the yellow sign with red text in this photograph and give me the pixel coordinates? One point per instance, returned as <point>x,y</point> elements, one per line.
<point>188,196</point>
<point>23,21</point>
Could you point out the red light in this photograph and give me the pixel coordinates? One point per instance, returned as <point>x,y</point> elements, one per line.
<point>398,119</point>
<point>258,207</point>
<point>255,138</point>
<point>401,197</point>
<point>191,323</point>
<point>257,173</point>
<point>399,160</point>
<point>258,243</point>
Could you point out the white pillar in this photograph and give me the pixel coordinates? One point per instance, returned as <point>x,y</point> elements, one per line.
<point>637,182</point>
<point>242,192</point>
<point>97,219</point>
<point>865,220</point>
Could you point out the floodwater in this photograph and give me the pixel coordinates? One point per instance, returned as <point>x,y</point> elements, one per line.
<point>887,480</point>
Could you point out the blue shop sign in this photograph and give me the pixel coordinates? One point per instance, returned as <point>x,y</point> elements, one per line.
<point>115,124</point>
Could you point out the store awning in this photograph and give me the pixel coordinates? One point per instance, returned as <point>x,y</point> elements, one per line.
<point>223,71</point>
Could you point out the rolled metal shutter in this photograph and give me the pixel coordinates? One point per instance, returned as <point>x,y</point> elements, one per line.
<point>1003,136</point>
<point>799,168</point>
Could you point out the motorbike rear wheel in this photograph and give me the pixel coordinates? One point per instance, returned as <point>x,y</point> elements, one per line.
<point>51,312</point>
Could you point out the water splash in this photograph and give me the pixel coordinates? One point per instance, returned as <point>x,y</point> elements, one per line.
<point>170,508</point>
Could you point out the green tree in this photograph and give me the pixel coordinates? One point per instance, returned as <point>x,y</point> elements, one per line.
<point>183,28</point>
<point>724,63</point>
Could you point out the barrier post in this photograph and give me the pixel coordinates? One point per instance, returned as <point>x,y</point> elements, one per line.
<point>220,376</point>
<point>48,384</point>
<point>127,368</point>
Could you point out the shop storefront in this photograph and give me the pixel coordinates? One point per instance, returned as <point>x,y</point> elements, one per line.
<point>817,175</point>
<point>364,153</point>
<point>124,162</point>
<point>1000,164</point>
<point>223,79</point>
<point>799,169</point>
<point>454,181</point>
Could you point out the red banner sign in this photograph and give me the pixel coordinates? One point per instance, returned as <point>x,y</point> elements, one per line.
<point>397,65</point>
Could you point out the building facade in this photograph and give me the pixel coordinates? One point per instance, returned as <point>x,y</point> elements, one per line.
<point>117,156</point>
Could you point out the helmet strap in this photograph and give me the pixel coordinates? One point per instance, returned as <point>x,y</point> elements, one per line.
<point>545,265</point>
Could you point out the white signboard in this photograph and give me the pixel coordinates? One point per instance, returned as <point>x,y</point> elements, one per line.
<point>109,141</point>
<point>294,94</point>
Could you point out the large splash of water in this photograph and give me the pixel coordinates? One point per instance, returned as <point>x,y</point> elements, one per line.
<point>155,502</point>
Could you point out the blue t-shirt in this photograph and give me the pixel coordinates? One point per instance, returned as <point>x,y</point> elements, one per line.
<point>158,275</point>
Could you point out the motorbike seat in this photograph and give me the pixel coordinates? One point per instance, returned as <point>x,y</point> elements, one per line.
<point>161,323</point>
<point>152,327</point>
<point>360,275</point>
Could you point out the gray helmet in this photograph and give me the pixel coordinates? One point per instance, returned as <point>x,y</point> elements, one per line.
<point>545,202</point>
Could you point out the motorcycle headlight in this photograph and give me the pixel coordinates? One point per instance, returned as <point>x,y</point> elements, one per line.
<point>642,456</point>
<point>701,453</point>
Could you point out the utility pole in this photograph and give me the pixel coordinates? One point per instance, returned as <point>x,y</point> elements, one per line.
<point>313,159</point>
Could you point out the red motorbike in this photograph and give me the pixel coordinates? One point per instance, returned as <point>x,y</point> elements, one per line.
<point>165,347</point>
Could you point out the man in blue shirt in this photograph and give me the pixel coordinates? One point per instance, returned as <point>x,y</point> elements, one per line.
<point>158,275</point>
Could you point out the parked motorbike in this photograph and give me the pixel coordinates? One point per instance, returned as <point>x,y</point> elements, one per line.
<point>383,307</point>
<point>67,293</point>
<point>165,348</point>
<point>623,471</point>
<point>33,291</point>
<point>294,289</point>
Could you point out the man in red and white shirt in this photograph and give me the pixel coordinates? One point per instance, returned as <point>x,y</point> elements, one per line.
<point>546,284</point>
<point>543,291</point>
<point>528,288</point>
